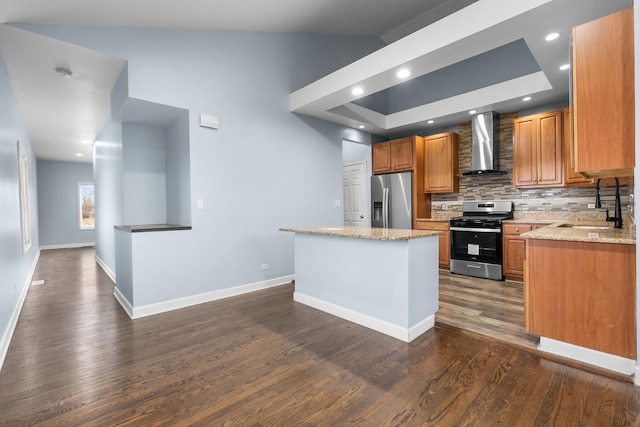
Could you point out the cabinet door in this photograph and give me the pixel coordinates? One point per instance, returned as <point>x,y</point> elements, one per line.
<point>513,250</point>
<point>441,163</point>
<point>525,166</point>
<point>402,154</point>
<point>583,300</point>
<point>603,95</point>
<point>571,177</point>
<point>381,157</point>
<point>444,254</point>
<point>550,149</point>
<point>443,241</point>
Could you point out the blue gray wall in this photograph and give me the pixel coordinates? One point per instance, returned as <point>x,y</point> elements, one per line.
<point>58,203</point>
<point>108,178</point>
<point>145,177</point>
<point>14,265</point>
<point>265,168</point>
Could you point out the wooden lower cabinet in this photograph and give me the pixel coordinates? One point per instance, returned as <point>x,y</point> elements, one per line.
<point>513,249</point>
<point>444,250</point>
<point>582,293</point>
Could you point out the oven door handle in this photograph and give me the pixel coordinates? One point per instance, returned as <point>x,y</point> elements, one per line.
<point>477,230</point>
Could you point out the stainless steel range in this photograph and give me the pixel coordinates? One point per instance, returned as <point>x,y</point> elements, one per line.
<point>476,238</point>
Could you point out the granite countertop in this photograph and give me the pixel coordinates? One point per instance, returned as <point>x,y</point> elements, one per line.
<point>393,234</point>
<point>143,228</point>
<point>606,234</point>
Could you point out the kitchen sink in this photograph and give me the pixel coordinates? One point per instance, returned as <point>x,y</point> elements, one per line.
<point>584,227</point>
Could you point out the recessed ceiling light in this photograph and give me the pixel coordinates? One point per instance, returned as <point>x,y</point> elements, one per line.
<point>565,67</point>
<point>472,112</point>
<point>357,91</point>
<point>78,154</point>
<point>430,122</point>
<point>552,36</point>
<point>526,98</point>
<point>63,72</point>
<point>403,73</point>
<point>361,127</point>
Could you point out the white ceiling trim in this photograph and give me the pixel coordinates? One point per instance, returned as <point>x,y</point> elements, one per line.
<point>500,92</point>
<point>426,50</point>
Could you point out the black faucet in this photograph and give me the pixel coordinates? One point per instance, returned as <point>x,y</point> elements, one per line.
<point>617,218</point>
<point>598,202</point>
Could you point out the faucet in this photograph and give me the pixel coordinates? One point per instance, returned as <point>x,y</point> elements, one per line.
<point>598,202</point>
<point>617,215</point>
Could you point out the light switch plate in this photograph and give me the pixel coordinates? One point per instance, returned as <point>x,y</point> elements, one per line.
<point>338,203</point>
<point>199,204</point>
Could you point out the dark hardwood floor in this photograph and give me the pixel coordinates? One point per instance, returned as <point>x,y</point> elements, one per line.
<point>262,360</point>
<point>488,307</point>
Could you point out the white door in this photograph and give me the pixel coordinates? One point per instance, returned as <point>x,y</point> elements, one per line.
<point>354,189</point>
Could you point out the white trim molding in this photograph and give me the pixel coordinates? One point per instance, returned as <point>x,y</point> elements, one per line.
<point>589,356</point>
<point>68,246</point>
<point>124,302</point>
<point>13,320</point>
<point>636,379</point>
<point>395,331</point>
<point>106,269</point>
<point>178,303</point>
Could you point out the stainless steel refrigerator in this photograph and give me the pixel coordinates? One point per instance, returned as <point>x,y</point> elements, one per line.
<point>391,200</point>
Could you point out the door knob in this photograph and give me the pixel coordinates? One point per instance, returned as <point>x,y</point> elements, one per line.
<point>361,216</point>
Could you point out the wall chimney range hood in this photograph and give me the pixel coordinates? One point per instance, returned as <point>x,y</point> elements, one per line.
<point>484,145</point>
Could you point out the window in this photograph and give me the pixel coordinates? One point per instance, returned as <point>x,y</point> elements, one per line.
<point>86,207</point>
<point>25,212</point>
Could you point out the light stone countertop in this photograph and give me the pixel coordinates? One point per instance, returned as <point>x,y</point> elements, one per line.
<point>556,231</point>
<point>553,229</point>
<point>393,234</point>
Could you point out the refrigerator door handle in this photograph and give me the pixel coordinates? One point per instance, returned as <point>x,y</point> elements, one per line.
<point>385,208</point>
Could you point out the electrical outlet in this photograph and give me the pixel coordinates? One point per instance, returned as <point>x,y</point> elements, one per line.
<point>265,266</point>
<point>338,203</point>
<point>444,206</point>
<point>591,205</point>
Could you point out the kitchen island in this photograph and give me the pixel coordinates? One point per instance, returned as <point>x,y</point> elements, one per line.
<point>384,279</point>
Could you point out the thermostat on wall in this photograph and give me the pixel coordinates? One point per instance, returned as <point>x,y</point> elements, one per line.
<point>209,121</point>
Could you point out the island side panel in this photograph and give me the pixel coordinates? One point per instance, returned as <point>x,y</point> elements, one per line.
<point>423,277</point>
<point>375,278</point>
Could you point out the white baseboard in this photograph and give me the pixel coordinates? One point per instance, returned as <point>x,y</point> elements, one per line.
<point>106,269</point>
<point>395,331</point>
<point>124,302</point>
<point>13,320</point>
<point>68,246</point>
<point>178,303</point>
<point>589,356</point>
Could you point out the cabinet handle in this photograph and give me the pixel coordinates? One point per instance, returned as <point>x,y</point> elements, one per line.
<point>432,226</point>
<point>517,229</point>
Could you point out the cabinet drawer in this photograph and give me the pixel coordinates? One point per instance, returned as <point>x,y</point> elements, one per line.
<point>517,229</point>
<point>435,226</point>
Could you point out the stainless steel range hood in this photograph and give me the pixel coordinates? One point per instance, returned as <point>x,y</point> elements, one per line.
<point>484,145</point>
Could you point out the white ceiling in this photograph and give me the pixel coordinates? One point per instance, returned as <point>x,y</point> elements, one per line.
<point>61,113</point>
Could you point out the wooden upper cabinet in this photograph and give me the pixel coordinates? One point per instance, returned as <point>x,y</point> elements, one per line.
<point>395,156</point>
<point>402,154</point>
<point>441,163</point>
<point>571,177</point>
<point>381,157</point>
<point>537,150</point>
<point>603,96</point>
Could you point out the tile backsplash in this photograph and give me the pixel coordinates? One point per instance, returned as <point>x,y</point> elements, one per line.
<point>500,187</point>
